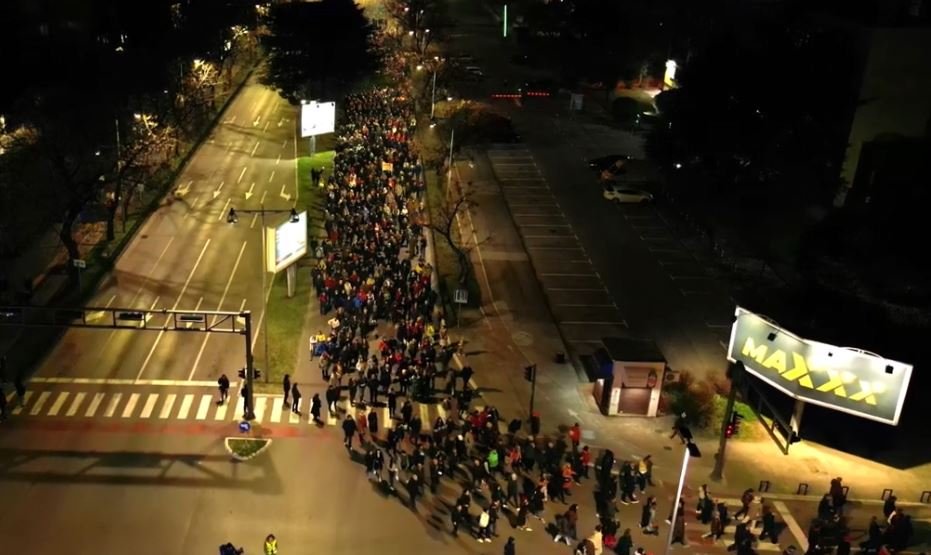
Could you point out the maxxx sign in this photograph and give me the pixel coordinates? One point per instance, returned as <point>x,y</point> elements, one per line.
<point>839,378</point>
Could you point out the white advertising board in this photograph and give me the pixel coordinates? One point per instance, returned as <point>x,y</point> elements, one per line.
<point>317,118</point>
<point>286,243</point>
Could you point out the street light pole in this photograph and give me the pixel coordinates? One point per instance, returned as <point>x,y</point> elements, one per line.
<point>691,450</point>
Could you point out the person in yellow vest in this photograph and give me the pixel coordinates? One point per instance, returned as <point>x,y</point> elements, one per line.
<point>271,545</point>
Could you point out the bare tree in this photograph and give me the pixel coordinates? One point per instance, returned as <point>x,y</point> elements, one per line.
<point>446,221</point>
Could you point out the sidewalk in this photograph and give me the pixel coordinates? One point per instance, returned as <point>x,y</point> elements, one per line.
<point>512,329</point>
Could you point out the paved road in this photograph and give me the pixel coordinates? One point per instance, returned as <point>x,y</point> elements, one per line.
<point>187,257</point>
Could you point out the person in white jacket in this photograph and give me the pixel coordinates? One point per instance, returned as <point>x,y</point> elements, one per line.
<point>484,520</point>
<point>597,540</point>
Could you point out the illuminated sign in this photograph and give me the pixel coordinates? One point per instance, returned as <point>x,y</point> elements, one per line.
<point>287,243</point>
<point>839,378</point>
<point>317,118</point>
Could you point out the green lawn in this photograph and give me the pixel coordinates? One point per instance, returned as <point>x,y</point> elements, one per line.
<point>286,316</point>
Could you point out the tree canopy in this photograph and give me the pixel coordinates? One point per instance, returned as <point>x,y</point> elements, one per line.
<point>314,44</point>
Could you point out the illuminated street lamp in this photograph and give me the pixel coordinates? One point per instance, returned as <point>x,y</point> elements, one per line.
<point>691,450</point>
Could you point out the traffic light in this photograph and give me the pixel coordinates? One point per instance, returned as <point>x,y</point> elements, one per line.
<point>733,426</point>
<point>256,373</point>
<point>242,373</point>
<point>530,372</point>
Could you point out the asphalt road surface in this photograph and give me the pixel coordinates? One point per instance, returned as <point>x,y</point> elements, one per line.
<point>606,269</point>
<point>187,256</point>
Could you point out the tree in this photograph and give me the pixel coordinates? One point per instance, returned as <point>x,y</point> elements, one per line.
<point>444,220</point>
<point>311,44</point>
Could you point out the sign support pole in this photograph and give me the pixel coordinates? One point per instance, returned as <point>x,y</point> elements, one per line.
<point>291,274</point>
<point>718,473</point>
<point>313,145</point>
<point>795,424</point>
<point>264,290</point>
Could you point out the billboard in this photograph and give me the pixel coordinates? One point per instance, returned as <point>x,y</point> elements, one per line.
<point>317,118</point>
<point>839,378</point>
<point>286,243</point>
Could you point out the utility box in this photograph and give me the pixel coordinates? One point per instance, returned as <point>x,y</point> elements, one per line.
<point>629,376</point>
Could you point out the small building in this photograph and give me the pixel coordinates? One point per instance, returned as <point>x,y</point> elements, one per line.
<point>629,376</point>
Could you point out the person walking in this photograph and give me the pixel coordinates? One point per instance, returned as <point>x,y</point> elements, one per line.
<point>523,511</point>
<point>223,384</point>
<point>510,548</point>
<point>645,472</point>
<point>286,386</point>
<point>483,535</point>
<point>413,489</point>
<point>566,525</point>
<point>373,421</point>
<point>315,406</point>
<point>295,399</point>
<point>20,388</point>
<point>745,500</point>
<point>625,543</point>
<point>332,396</point>
<point>271,545</point>
<point>678,529</point>
<point>648,517</point>
<point>349,430</point>
<point>769,524</point>
<point>393,471</point>
<point>313,345</point>
<point>575,436</point>
<point>392,402</point>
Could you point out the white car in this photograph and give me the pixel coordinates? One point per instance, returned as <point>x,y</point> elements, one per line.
<point>626,195</point>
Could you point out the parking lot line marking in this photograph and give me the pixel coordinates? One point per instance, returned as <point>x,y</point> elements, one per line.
<point>75,404</point>
<point>130,406</point>
<point>166,408</point>
<point>59,402</point>
<point>149,405</point>
<point>95,403</point>
<point>205,402</point>
<point>111,406</point>
<point>185,406</point>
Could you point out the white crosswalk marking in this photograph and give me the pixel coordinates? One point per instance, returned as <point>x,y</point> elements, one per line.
<point>295,418</point>
<point>58,404</point>
<point>95,404</point>
<point>384,418</point>
<point>185,406</point>
<point>149,405</point>
<point>26,398</point>
<point>221,411</point>
<point>240,408</point>
<point>424,414</point>
<point>261,402</point>
<point>111,406</point>
<point>331,419</point>
<point>441,411</point>
<point>75,404</point>
<point>204,407</point>
<point>169,404</point>
<point>130,405</point>
<point>276,411</point>
<point>36,408</point>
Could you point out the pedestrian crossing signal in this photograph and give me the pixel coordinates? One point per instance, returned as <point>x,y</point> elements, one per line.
<point>256,373</point>
<point>733,427</point>
<point>242,373</point>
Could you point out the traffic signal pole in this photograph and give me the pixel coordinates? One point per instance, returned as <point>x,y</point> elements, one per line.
<point>718,472</point>
<point>248,412</point>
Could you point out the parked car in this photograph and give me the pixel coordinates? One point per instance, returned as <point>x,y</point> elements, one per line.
<point>604,162</point>
<point>626,195</point>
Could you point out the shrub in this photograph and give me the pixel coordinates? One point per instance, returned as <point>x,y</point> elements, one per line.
<point>695,399</point>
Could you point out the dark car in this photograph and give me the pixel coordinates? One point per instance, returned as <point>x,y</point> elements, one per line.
<point>610,161</point>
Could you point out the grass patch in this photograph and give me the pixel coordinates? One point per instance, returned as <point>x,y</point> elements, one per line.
<point>748,427</point>
<point>286,316</point>
<point>245,447</point>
